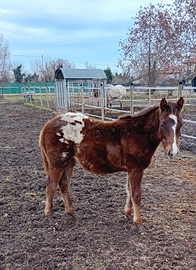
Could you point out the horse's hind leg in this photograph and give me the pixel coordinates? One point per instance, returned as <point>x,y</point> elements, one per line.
<point>51,186</point>
<point>64,187</point>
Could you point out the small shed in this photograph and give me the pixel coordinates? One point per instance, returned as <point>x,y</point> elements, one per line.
<point>66,79</point>
<point>80,74</point>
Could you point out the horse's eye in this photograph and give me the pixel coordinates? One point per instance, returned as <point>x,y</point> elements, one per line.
<point>162,125</point>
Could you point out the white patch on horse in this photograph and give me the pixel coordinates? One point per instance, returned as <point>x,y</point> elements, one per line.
<point>72,130</point>
<point>63,140</point>
<point>64,154</point>
<point>174,145</point>
<point>58,134</point>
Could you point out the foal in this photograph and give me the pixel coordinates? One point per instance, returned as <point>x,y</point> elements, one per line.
<point>125,144</point>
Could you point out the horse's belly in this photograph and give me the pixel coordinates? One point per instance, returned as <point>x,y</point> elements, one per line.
<point>97,168</point>
<point>98,160</point>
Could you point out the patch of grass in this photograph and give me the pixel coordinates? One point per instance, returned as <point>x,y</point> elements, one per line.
<point>7,179</point>
<point>188,155</point>
<point>25,236</point>
<point>13,98</point>
<point>38,107</point>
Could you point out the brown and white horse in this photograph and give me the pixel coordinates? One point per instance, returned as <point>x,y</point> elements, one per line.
<point>101,147</point>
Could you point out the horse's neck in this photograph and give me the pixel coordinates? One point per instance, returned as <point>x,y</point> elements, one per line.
<point>151,128</point>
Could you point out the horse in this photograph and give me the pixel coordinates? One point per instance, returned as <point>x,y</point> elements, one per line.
<point>115,92</point>
<point>101,147</point>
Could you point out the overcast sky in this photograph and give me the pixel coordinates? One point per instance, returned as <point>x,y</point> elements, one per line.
<point>74,30</point>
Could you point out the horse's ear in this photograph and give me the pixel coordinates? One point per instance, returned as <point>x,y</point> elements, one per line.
<point>163,104</point>
<point>180,103</point>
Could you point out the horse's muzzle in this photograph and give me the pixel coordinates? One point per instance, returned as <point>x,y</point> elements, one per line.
<point>170,153</point>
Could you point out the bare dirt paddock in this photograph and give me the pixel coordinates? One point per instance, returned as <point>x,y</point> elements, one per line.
<point>101,237</point>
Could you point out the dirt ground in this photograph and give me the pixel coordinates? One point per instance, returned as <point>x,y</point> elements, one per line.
<point>101,237</point>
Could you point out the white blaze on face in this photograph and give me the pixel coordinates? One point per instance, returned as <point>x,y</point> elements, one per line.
<point>174,146</point>
<point>71,131</point>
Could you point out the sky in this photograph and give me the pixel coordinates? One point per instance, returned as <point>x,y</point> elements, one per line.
<point>78,31</point>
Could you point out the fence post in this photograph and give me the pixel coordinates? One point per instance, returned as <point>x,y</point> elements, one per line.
<point>185,100</point>
<point>102,101</point>
<point>179,90</point>
<point>29,89</point>
<point>40,91</point>
<point>131,98</point>
<point>25,93</point>
<point>34,94</point>
<point>82,98</point>
<point>49,93</point>
<point>105,94</point>
<point>47,96</point>
<point>149,96</point>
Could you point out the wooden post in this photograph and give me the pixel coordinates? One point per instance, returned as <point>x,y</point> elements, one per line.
<point>179,90</point>
<point>49,93</point>
<point>149,96</point>
<point>34,94</point>
<point>23,93</point>
<point>29,94</point>
<point>65,93</point>
<point>82,98</point>
<point>47,96</point>
<point>40,91</point>
<point>105,94</point>
<point>131,98</point>
<point>185,100</point>
<point>72,93</point>
<point>102,101</point>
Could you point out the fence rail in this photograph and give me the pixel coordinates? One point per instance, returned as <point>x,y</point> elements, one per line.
<point>79,96</point>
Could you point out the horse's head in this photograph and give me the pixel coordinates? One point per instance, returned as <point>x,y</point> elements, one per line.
<point>170,124</point>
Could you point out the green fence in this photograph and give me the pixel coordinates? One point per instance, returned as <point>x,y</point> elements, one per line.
<point>18,88</point>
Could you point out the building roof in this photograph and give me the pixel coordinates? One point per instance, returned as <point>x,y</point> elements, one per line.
<point>87,74</point>
<point>173,70</point>
<point>190,60</point>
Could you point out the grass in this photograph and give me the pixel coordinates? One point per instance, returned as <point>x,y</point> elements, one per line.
<point>38,107</point>
<point>13,98</point>
<point>19,98</point>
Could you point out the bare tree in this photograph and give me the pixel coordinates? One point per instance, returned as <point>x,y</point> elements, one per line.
<point>45,69</point>
<point>5,66</point>
<point>152,45</point>
<point>185,21</point>
<point>89,66</point>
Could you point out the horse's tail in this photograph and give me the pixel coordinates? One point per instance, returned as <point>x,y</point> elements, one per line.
<point>43,152</point>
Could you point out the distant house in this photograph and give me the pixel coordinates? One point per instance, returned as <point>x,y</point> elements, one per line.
<point>174,72</point>
<point>171,75</point>
<point>185,72</point>
<point>193,82</point>
<point>190,64</point>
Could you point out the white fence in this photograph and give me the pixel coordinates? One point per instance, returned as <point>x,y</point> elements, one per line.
<point>78,97</point>
<point>39,95</point>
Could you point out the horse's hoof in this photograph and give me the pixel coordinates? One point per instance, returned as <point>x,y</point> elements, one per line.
<point>72,213</point>
<point>49,215</point>
<point>141,229</point>
<point>128,214</point>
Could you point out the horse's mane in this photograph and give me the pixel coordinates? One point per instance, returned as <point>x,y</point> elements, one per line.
<point>140,113</point>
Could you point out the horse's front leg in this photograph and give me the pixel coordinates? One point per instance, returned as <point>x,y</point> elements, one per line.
<point>134,195</point>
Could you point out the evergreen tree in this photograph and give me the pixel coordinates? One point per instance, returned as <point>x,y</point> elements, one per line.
<point>18,74</point>
<point>109,75</point>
